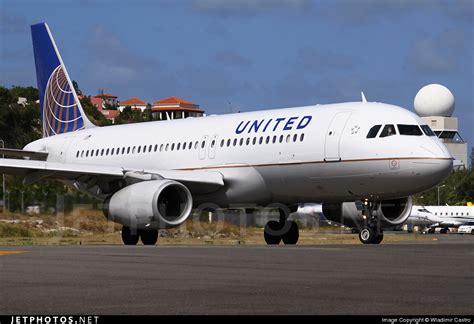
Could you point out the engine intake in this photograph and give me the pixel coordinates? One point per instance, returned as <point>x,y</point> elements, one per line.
<point>390,212</point>
<point>156,204</point>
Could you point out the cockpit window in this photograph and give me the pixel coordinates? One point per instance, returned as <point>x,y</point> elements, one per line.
<point>388,130</point>
<point>427,130</point>
<point>373,131</point>
<point>413,130</point>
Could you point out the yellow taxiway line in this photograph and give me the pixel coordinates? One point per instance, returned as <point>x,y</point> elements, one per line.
<point>11,252</point>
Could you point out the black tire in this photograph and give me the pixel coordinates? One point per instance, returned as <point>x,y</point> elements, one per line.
<point>128,237</point>
<point>472,232</point>
<point>378,238</point>
<point>292,235</point>
<point>367,235</point>
<point>443,231</point>
<point>271,233</point>
<point>149,237</point>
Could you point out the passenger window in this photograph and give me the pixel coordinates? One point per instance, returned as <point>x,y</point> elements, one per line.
<point>213,143</point>
<point>112,151</point>
<point>167,147</point>
<point>82,153</point>
<point>248,141</point>
<point>412,130</point>
<point>281,138</point>
<point>87,153</point>
<point>254,141</point>
<point>139,149</point>
<point>172,146</point>
<point>228,142</point>
<point>156,147</point>
<point>178,146</point>
<point>268,140</point>
<point>274,139</point>
<point>196,144</point>
<point>222,143</point>
<point>128,150</point>
<point>203,143</point>
<point>241,141</point>
<point>295,138</point>
<point>235,141</point>
<point>161,147</point>
<point>260,141</point>
<point>388,130</point>
<point>373,131</point>
<point>102,152</point>
<point>77,154</point>
<point>107,152</point>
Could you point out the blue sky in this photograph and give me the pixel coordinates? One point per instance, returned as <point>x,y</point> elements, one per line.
<point>240,55</point>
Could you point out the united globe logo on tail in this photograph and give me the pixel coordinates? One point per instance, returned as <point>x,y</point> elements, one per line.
<point>61,113</point>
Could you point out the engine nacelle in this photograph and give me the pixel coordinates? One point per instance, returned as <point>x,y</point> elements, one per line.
<point>395,211</point>
<point>391,212</point>
<point>155,204</point>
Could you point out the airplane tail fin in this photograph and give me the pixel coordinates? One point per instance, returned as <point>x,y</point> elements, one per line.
<point>61,110</point>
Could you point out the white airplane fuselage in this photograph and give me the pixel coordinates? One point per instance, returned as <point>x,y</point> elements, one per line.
<point>305,154</point>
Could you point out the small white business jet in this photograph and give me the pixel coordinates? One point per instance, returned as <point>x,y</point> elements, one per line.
<point>151,175</point>
<point>443,217</point>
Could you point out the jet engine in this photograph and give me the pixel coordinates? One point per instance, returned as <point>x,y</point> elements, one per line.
<point>391,212</point>
<point>155,204</point>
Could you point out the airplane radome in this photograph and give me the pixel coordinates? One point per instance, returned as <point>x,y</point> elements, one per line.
<point>151,175</point>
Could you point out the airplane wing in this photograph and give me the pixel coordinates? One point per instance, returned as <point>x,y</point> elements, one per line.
<point>32,155</point>
<point>34,170</point>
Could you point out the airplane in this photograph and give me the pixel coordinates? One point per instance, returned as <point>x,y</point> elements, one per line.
<point>152,175</point>
<point>443,217</point>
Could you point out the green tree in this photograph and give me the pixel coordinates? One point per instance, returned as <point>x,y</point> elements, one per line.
<point>76,88</point>
<point>94,115</point>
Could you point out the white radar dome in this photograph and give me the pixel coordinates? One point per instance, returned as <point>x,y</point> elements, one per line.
<point>434,100</point>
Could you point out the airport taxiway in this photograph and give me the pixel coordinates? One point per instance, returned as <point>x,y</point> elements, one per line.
<point>414,278</point>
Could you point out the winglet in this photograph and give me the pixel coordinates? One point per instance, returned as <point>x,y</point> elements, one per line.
<point>363,96</point>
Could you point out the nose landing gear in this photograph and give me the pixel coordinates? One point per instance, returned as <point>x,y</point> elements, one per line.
<point>372,232</point>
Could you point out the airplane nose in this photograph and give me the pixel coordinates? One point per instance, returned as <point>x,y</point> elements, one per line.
<point>435,164</point>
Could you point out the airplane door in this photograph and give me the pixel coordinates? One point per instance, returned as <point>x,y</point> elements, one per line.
<point>333,137</point>
<point>203,147</point>
<point>212,147</point>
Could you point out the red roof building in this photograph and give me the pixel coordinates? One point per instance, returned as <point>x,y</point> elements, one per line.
<point>134,103</point>
<point>175,108</point>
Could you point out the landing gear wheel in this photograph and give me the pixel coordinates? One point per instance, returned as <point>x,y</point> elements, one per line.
<point>128,237</point>
<point>149,237</point>
<point>472,232</point>
<point>292,235</point>
<point>271,233</point>
<point>367,235</point>
<point>378,238</point>
<point>443,231</point>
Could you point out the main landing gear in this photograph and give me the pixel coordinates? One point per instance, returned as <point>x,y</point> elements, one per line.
<point>148,237</point>
<point>283,230</point>
<point>372,232</point>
